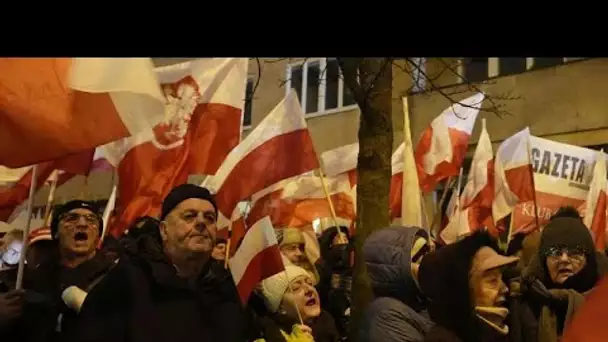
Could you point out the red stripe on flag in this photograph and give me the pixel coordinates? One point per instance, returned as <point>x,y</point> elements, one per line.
<point>264,265</point>
<point>266,165</point>
<point>521,182</point>
<point>589,321</point>
<point>598,224</point>
<point>395,195</point>
<point>459,143</point>
<point>146,177</point>
<point>12,197</point>
<point>214,131</point>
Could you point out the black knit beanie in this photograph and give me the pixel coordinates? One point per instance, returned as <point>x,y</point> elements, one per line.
<point>566,232</point>
<point>571,233</point>
<point>69,206</point>
<point>183,192</point>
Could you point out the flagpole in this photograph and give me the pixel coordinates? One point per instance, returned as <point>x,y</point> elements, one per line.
<point>51,197</point>
<point>26,232</point>
<point>292,291</point>
<point>331,205</point>
<point>411,209</point>
<point>204,185</point>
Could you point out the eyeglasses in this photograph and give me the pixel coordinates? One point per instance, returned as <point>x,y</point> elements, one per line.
<point>73,218</point>
<point>576,254</point>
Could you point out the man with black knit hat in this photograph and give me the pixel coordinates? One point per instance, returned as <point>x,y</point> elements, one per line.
<point>165,287</point>
<point>75,261</point>
<point>565,268</point>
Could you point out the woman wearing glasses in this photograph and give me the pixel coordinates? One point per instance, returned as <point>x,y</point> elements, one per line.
<point>564,270</point>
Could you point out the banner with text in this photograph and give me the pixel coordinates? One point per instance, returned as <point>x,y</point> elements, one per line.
<point>562,174</point>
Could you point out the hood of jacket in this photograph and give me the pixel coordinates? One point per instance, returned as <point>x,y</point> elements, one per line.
<point>387,254</point>
<point>444,278</point>
<point>335,258</point>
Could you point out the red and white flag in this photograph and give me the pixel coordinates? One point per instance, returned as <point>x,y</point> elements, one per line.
<point>513,178</point>
<point>257,258</point>
<point>69,105</point>
<point>595,213</point>
<point>395,196</point>
<point>13,198</point>
<point>589,322</point>
<point>478,194</point>
<point>442,147</point>
<point>340,160</point>
<point>298,201</point>
<point>458,225</point>
<point>202,124</point>
<point>40,234</point>
<point>280,147</point>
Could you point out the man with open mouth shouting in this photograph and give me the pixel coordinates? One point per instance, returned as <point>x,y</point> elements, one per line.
<point>166,286</point>
<point>72,260</point>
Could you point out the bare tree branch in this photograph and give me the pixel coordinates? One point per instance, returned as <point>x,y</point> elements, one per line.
<point>257,82</point>
<point>494,108</point>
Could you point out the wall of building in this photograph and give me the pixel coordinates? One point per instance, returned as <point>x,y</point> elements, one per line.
<point>565,103</point>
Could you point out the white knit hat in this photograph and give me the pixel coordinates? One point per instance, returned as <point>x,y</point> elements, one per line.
<point>274,288</point>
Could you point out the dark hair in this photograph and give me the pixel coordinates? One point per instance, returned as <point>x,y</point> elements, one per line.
<point>567,211</point>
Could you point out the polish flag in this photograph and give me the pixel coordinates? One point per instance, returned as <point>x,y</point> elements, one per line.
<point>298,201</point>
<point>458,225</point>
<point>588,324</point>
<point>478,194</point>
<point>100,163</point>
<point>13,198</point>
<point>280,147</point>
<point>202,124</point>
<point>341,160</point>
<point>443,146</point>
<point>68,105</point>
<point>39,234</point>
<point>257,258</point>
<point>233,230</point>
<point>595,214</point>
<point>513,178</point>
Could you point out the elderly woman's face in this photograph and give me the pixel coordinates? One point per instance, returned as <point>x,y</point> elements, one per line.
<point>303,297</point>
<point>563,263</point>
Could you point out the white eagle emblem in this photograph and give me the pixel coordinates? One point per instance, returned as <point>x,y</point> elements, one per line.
<point>179,107</point>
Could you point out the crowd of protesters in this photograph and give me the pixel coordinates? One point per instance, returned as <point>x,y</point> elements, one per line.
<point>166,280</point>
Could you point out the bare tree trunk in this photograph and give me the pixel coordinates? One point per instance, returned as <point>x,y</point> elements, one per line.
<point>372,91</point>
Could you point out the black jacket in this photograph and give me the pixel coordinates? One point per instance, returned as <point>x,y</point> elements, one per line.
<point>143,299</point>
<point>44,308</point>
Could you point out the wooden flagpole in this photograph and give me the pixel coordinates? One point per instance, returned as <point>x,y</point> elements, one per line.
<point>26,231</point>
<point>332,210</point>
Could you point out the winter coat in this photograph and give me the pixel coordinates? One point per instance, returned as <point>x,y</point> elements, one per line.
<point>541,313</point>
<point>45,316</point>
<point>398,311</point>
<point>143,299</point>
<point>335,278</point>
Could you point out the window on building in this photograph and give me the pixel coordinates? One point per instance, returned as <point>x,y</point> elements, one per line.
<point>511,65</point>
<point>475,69</point>
<point>319,85</point>
<point>418,71</point>
<point>544,62</point>
<point>248,103</point>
